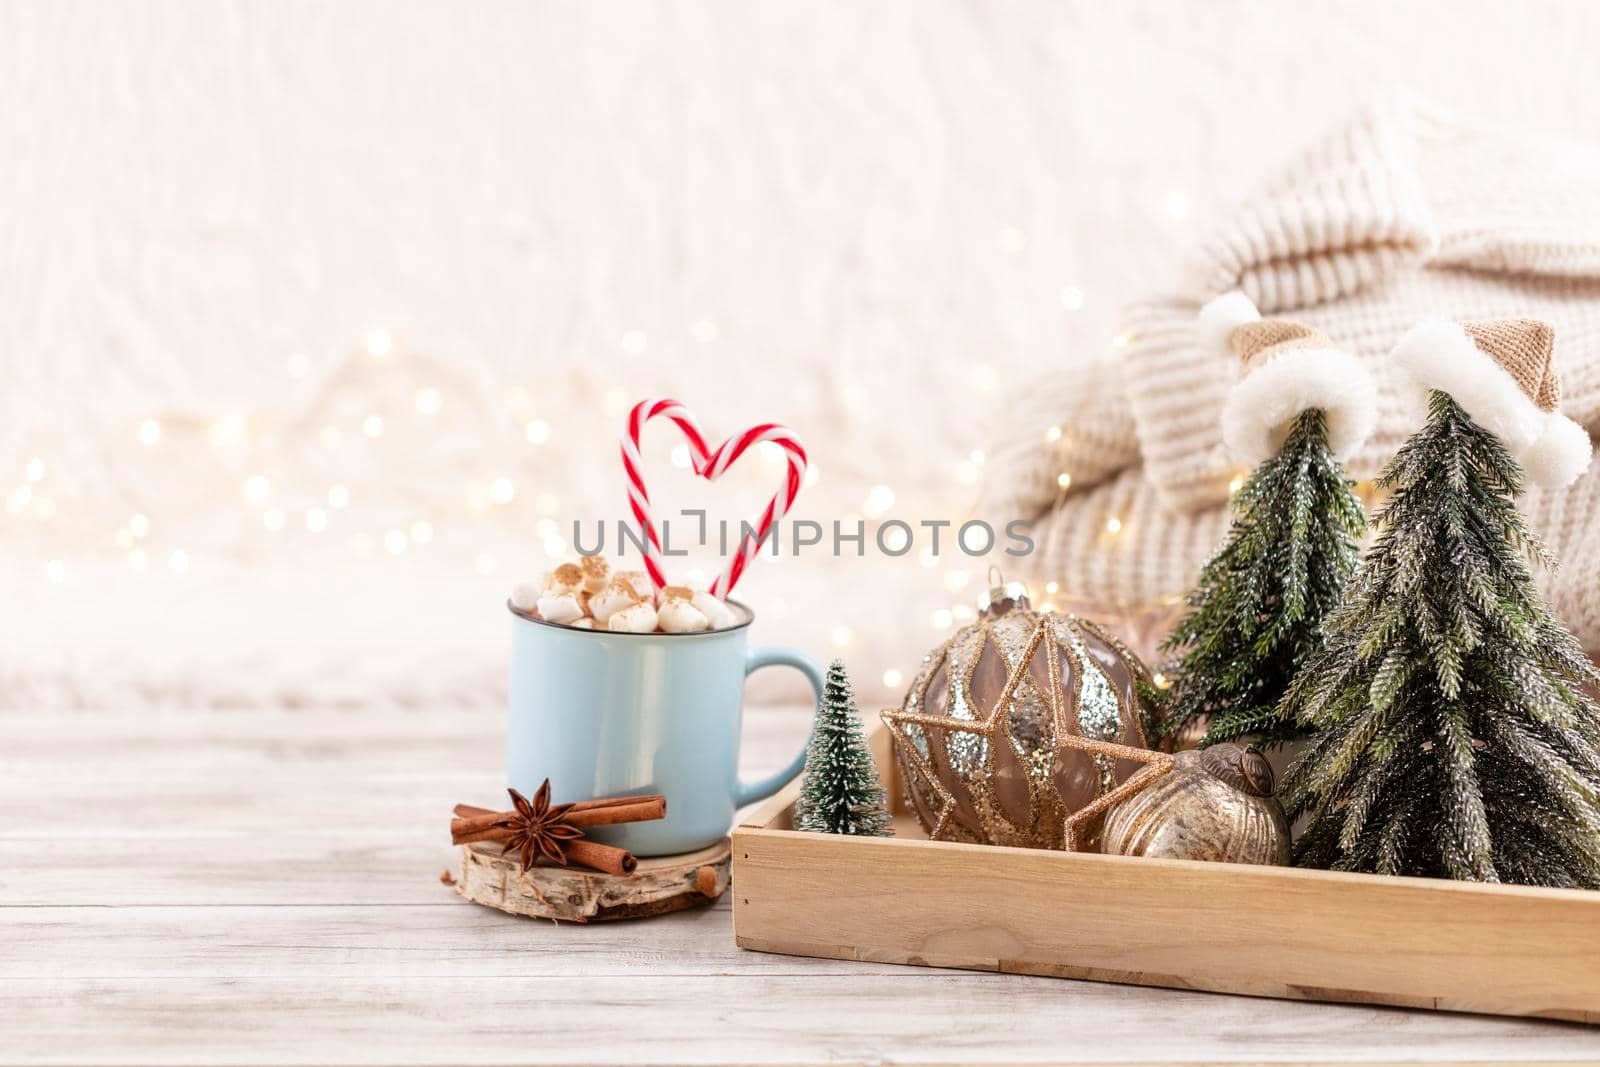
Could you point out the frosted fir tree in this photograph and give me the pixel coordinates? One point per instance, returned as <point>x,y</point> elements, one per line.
<point>1255,615</point>
<point>1455,736</point>
<point>840,793</point>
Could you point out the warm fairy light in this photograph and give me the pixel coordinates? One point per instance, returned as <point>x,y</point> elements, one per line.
<point>1161,680</point>
<point>297,366</point>
<point>1052,588</point>
<point>429,401</point>
<point>772,453</point>
<point>880,498</point>
<point>55,571</point>
<point>1235,484</point>
<point>841,636</point>
<point>124,538</point>
<point>501,491</point>
<point>1053,434</point>
<point>484,563</point>
<point>316,520</point>
<point>956,581</point>
<point>257,488</point>
<point>928,558</point>
<point>1071,297</point>
<point>1064,480</point>
<point>372,425</point>
<point>149,432</point>
<point>976,457</point>
<point>379,343</point>
<point>538,431</point>
<point>1120,340</point>
<point>1113,525</point>
<point>1047,608</point>
<point>705,331</point>
<point>634,342</point>
<point>139,525</point>
<point>19,498</point>
<point>555,547</point>
<point>273,519</point>
<point>395,542</point>
<point>338,496</point>
<point>963,613</point>
<point>680,457</point>
<point>139,559</point>
<point>228,430</point>
<point>178,560</point>
<point>421,532</point>
<point>942,619</point>
<point>891,678</point>
<point>330,437</point>
<point>34,469</point>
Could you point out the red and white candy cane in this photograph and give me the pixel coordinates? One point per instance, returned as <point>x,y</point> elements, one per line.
<point>638,495</point>
<point>723,458</point>
<point>710,466</point>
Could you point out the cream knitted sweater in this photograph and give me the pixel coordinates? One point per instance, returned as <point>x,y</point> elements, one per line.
<point>1408,213</point>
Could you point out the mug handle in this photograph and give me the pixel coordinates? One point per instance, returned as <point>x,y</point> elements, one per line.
<point>778,656</point>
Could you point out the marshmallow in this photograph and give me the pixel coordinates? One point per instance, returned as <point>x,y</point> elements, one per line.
<point>638,618</point>
<point>524,596</point>
<point>679,616</point>
<point>595,571</point>
<point>567,578</point>
<point>564,608</point>
<point>717,613</point>
<point>616,596</point>
<point>639,582</point>
<point>584,623</point>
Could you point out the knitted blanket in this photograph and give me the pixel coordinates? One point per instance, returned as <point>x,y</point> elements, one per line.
<point>1407,213</point>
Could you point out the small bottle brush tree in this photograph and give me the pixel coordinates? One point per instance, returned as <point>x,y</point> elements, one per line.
<point>1454,734</point>
<point>840,793</point>
<point>1255,615</point>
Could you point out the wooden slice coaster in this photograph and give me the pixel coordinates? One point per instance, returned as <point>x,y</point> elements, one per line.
<point>660,885</point>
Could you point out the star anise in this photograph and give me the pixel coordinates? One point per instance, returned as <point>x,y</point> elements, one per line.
<point>537,829</point>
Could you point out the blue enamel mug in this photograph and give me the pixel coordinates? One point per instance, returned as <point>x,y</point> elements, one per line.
<point>604,714</point>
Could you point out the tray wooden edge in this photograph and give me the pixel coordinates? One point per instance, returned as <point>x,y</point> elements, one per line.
<point>1312,935</point>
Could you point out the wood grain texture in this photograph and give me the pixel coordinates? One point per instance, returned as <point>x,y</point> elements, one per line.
<point>220,926</point>
<point>1261,931</point>
<point>657,886</point>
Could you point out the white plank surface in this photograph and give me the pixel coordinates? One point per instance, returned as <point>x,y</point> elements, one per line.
<point>176,888</point>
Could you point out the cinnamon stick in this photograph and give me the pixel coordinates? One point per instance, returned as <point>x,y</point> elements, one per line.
<point>645,810</point>
<point>603,858</point>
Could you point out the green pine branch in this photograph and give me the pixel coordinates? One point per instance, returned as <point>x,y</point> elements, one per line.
<point>1454,731</point>
<point>840,793</point>
<point>1255,615</point>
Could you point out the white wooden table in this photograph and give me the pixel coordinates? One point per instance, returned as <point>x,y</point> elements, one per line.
<point>222,886</point>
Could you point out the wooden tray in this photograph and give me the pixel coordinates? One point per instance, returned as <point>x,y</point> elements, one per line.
<point>1261,931</point>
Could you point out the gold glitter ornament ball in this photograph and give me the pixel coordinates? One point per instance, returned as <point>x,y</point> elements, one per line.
<point>1021,728</point>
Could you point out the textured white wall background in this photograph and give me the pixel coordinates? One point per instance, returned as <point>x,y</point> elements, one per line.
<point>859,219</point>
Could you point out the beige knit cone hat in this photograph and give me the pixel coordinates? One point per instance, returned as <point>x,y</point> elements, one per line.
<point>1502,372</point>
<point>1287,367</point>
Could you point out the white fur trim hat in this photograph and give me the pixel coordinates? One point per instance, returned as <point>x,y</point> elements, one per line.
<point>1502,373</point>
<point>1288,368</point>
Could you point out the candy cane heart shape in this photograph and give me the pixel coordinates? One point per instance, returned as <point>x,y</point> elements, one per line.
<point>794,475</point>
<point>710,465</point>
